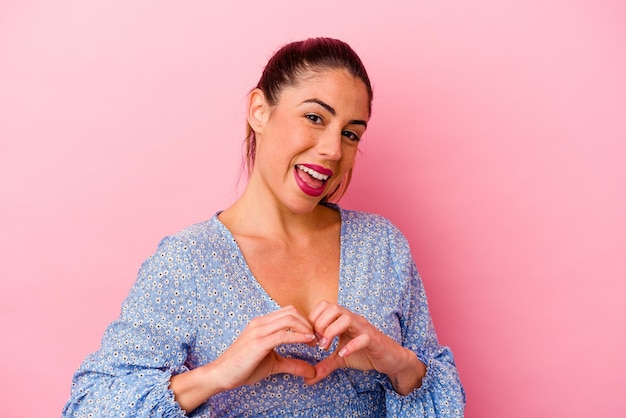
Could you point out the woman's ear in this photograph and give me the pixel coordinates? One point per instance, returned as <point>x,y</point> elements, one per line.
<point>258,111</point>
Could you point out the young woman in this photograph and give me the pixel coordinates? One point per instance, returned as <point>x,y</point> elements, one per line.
<point>284,303</point>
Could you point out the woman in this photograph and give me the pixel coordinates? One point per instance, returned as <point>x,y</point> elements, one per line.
<point>284,303</point>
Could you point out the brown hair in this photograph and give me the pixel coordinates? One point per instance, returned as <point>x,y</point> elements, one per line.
<point>286,68</point>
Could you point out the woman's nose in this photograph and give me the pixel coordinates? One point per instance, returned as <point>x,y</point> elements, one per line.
<point>329,145</point>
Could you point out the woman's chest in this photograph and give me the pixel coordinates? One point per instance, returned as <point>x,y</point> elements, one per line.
<point>231,298</point>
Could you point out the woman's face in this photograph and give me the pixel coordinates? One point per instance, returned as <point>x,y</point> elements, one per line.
<point>308,140</point>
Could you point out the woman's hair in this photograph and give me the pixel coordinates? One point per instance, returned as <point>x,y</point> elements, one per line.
<point>293,61</point>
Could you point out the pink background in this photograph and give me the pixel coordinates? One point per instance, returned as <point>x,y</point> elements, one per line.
<point>497,144</point>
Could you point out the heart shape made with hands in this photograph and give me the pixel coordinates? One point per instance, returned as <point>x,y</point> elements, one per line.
<point>359,345</point>
<point>351,333</point>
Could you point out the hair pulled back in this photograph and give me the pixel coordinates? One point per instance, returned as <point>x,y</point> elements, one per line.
<point>290,64</point>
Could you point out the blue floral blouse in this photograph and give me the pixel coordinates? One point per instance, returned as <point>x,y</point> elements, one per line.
<point>195,295</point>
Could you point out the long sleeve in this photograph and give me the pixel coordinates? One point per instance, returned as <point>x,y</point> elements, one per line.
<point>441,393</point>
<point>195,295</point>
<point>140,351</point>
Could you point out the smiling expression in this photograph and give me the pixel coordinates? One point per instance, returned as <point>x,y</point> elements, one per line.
<point>308,140</point>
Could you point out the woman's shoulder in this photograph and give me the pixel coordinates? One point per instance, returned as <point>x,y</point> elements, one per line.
<point>375,233</point>
<point>208,232</point>
<point>367,220</point>
<point>374,226</point>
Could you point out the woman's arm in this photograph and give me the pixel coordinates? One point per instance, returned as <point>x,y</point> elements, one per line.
<point>441,393</point>
<point>362,346</point>
<point>141,369</point>
<point>130,373</point>
<point>422,375</point>
<point>249,359</point>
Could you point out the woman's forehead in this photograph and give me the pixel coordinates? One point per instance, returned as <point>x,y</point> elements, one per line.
<point>336,87</point>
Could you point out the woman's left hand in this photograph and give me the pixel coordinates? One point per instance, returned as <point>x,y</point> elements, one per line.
<point>361,346</point>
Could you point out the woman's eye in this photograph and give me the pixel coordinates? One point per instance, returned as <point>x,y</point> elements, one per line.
<point>314,118</point>
<point>351,136</point>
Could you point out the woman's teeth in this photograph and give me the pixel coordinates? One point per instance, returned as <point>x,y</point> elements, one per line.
<point>313,173</point>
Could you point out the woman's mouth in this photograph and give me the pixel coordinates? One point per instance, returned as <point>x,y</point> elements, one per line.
<point>312,178</point>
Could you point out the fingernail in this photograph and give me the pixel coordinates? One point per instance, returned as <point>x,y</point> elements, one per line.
<point>310,336</point>
<point>323,342</point>
<point>342,352</point>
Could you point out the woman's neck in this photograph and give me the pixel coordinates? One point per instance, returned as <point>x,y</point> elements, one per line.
<point>256,215</point>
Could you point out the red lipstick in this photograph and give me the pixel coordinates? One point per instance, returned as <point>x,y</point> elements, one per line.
<point>312,178</point>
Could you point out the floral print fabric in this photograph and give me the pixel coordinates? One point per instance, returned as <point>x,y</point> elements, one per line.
<point>195,295</point>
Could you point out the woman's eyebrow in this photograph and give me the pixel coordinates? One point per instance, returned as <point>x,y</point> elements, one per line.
<point>332,111</point>
<point>326,106</point>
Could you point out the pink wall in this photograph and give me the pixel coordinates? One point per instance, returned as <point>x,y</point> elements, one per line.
<point>497,144</point>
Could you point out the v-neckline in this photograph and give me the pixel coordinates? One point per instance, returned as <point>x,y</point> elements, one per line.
<point>273,304</point>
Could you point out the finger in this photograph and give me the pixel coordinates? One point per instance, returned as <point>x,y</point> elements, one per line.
<point>317,310</point>
<point>337,359</point>
<point>356,344</point>
<point>280,321</point>
<point>325,367</point>
<point>284,335</point>
<point>313,342</point>
<point>321,317</point>
<point>325,313</point>
<point>282,328</point>
<point>294,366</point>
<point>339,326</point>
<point>287,311</point>
<point>286,324</point>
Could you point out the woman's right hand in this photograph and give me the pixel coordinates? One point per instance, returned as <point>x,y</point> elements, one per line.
<point>250,359</point>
